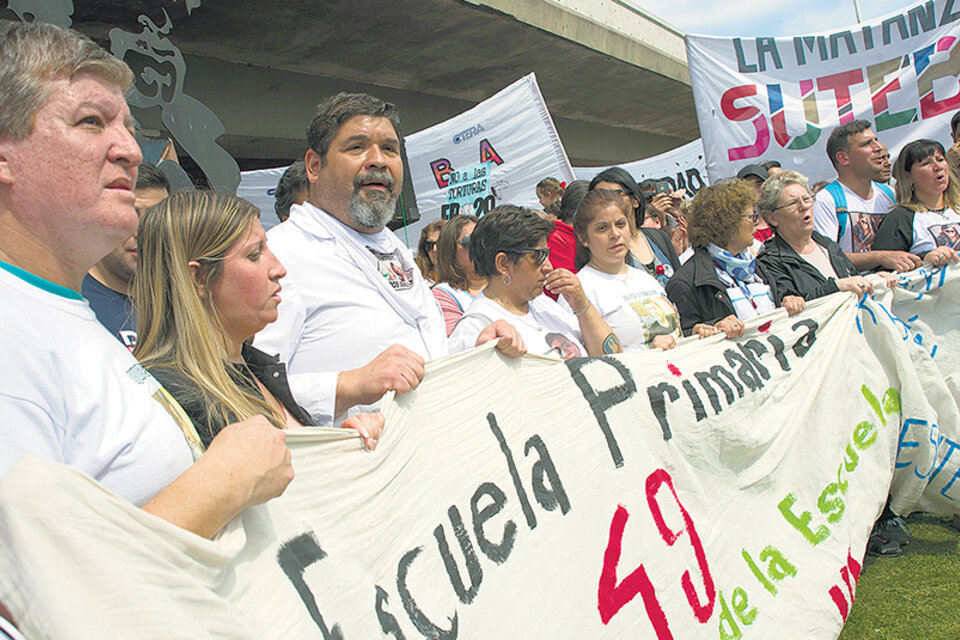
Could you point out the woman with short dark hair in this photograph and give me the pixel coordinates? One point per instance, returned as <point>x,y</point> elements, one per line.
<point>509,247</point>
<point>927,219</point>
<point>719,285</point>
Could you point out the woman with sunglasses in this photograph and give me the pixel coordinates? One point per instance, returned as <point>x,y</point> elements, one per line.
<point>797,260</point>
<point>720,284</point>
<point>928,217</point>
<point>427,251</point>
<point>458,283</point>
<point>509,247</point>
<point>650,249</point>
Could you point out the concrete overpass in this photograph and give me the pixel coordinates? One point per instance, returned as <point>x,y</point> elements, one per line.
<point>615,79</point>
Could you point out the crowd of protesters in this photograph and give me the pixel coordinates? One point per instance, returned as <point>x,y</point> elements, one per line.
<point>189,285</point>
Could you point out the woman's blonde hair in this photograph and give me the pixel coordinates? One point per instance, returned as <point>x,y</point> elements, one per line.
<point>176,326</point>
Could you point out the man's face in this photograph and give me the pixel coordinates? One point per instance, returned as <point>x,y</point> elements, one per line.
<point>121,263</point>
<point>70,182</point>
<point>865,157</point>
<point>363,174</point>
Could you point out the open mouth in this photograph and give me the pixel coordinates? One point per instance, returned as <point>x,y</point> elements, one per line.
<point>377,180</point>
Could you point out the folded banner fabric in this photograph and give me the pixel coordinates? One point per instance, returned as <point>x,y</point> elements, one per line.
<point>779,98</point>
<point>723,489</point>
<point>684,168</point>
<point>512,130</point>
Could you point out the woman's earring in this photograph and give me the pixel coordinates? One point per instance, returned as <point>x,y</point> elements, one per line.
<point>506,279</point>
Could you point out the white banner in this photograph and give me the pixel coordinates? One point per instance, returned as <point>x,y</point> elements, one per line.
<point>684,168</point>
<point>779,98</point>
<point>259,187</point>
<point>723,488</point>
<point>512,130</point>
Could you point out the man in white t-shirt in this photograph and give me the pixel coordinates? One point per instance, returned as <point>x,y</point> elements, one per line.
<point>849,209</point>
<point>357,318</point>
<point>69,391</point>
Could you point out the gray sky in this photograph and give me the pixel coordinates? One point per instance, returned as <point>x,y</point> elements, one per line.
<point>765,17</point>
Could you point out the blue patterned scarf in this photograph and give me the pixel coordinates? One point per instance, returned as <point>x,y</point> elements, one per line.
<point>739,267</point>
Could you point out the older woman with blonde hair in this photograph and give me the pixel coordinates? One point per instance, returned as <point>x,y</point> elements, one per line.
<point>720,284</point>
<point>206,282</point>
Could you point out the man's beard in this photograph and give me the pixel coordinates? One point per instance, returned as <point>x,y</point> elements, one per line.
<point>376,212</point>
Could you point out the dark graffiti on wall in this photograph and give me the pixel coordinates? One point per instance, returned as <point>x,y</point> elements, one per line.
<point>160,71</point>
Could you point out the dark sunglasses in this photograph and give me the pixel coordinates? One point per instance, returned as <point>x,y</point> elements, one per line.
<point>539,255</point>
<point>429,245</point>
<point>465,241</point>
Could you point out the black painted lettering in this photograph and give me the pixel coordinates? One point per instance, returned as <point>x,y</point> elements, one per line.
<point>778,352</point>
<point>655,395</point>
<point>713,377</point>
<point>768,46</point>
<point>847,38</point>
<point>742,65</point>
<point>901,23</point>
<point>922,17</point>
<point>698,409</point>
<point>804,342</point>
<point>753,349</point>
<point>294,556</point>
<point>514,474</point>
<point>474,571</point>
<point>602,401</point>
<point>422,623</point>
<point>388,623</point>
<point>949,15</point>
<point>496,551</point>
<point>547,488</point>
<point>691,174</point>
<point>745,371</point>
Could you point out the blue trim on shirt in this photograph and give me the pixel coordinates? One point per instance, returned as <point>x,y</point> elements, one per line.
<point>41,283</point>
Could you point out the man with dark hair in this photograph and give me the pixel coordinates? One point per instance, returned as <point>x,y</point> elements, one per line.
<point>292,189</point>
<point>108,283</point>
<point>858,199</point>
<point>357,318</point>
<point>953,153</point>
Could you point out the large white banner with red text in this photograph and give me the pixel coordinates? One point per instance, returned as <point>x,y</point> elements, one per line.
<point>722,489</point>
<point>778,98</point>
<point>512,130</point>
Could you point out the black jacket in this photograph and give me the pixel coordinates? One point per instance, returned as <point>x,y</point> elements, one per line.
<point>696,291</point>
<point>788,274</point>
<point>267,369</point>
<point>661,238</point>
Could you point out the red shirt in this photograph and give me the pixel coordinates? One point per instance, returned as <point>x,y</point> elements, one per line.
<point>563,247</point>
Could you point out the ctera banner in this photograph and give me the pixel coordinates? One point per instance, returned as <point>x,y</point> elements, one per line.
<point>512,130</point>
<point>723,489</point>
<point>779,98</point>
<point>684,168</point>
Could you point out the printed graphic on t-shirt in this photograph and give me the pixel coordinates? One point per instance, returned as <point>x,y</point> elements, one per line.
<point>392,269</point>
<point>562,345</point>
<point>864,226</point>
<point>657,313</point>
<point>946,235</point>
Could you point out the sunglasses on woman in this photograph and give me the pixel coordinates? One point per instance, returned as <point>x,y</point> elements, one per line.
<point>539,255</point>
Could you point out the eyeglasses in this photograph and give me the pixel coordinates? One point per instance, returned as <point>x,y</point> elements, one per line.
<point>539,255</point>
<point>753,217</point>
<point>807,200</point>
<point>465,241</point>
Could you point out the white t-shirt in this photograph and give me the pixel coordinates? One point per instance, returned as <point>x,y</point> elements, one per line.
<point>333,317</point>
<point>633,303</point>
<point>71,393</point>
<point>863,217</point>
<point>546,329</point>
<point>929,231</point>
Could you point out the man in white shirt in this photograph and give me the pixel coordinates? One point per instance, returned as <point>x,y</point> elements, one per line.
<point>357,318</point>
<point>849,209</point>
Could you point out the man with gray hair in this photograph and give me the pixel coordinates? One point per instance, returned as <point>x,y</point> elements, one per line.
<point>357,318</point>
<point>69,391</point>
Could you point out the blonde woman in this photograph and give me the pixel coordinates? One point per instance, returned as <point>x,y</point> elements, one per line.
<point>207,282</point>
